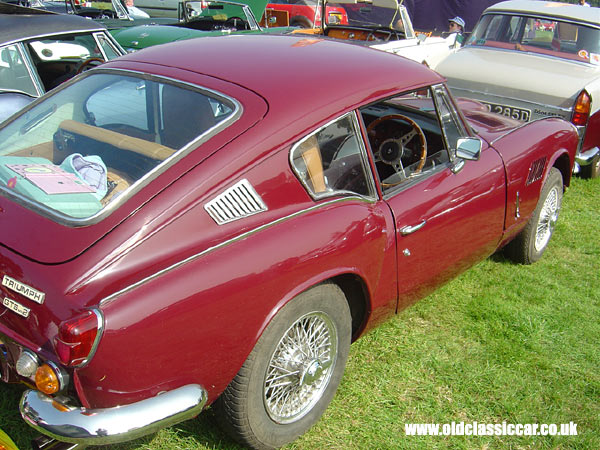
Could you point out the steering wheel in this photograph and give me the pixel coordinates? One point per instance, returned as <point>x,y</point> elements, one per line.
<point>88,64</point>
<point>390,149</point>
<point>235,22</point>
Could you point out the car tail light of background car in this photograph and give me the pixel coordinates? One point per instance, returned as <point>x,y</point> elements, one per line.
<point>581,112</point>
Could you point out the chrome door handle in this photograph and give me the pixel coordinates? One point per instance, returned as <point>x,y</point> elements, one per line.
<point>411,229</point>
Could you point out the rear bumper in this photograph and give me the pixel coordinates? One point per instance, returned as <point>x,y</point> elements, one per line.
<point>111,425</point>
<point>585,158</point>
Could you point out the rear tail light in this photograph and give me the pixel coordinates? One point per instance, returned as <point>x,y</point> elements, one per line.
<point>581,112</point>
<point>77,338</point>
<point>334,18</point>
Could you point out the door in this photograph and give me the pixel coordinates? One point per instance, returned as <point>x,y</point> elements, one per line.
<point>448,212</point>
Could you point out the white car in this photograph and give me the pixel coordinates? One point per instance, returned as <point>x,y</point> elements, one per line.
<point>534,59</point>
<point>383,25</point>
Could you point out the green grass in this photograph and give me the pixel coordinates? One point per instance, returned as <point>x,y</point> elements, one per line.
<point>502,342</point>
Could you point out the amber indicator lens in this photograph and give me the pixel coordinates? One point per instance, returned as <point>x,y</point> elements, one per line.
<point>46,380</point>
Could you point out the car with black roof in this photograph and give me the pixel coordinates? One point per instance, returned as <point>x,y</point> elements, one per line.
<point>39,50</point>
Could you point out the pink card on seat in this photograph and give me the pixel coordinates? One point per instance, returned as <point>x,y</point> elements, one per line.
<point>51,179</point>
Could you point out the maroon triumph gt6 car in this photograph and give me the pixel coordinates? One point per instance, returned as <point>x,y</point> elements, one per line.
<point>178,231</point>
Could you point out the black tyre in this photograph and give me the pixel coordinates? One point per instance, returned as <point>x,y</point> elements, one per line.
<point>292,373</point>
<point>592,170</point>
<point>530,243</point>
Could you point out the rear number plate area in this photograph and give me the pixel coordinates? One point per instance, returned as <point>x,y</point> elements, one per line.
<point>522,114</point>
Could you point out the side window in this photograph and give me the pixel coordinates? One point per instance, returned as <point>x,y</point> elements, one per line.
<point>514,29</point>
<point>158,112</point>
<point>332,160</point>
<point>14,75</point>
<point>492,31</point>
<point>405,137</point>
<point>128,97</point>
<point>106,46</point>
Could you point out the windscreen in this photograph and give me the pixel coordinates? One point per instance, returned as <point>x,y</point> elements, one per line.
<point>545,36</point>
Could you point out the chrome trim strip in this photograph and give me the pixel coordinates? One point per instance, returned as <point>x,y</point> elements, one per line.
<point>239,237</point>
<point>53,34</point>
<point>107,37</point>
<point>111,425</point>
<point>99,334</point>
<point>179,154</point>
<point>30,65</point>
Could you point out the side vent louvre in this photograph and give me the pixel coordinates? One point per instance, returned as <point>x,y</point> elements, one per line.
<point>536,170</point>
<point>237,202</point>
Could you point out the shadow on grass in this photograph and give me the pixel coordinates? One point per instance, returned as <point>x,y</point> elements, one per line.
<point>501,258</point>
<point>203,432</point>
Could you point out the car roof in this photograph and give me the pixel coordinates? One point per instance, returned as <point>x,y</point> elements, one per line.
<point>292,68</point>
<point>18,27</point>
<point>576,13</point>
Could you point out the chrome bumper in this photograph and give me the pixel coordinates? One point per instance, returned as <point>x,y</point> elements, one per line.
<point>585,158</point>
<point>111,425</point>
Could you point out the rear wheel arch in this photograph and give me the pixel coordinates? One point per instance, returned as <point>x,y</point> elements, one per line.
<point>563,164</point>
<point>356,293</point>
<point>354,289</point>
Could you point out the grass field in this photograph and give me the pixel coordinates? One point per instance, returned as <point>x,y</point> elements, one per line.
<point>503,342</point>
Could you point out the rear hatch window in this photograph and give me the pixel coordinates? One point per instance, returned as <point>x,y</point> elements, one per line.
<point>74,155</point>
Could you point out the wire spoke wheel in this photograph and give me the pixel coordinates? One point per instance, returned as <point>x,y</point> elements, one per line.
<point>292,373</point>
<point>300,368</point>
<point>548,218</point>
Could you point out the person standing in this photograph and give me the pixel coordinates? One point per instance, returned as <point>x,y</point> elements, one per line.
<point>456,27</point>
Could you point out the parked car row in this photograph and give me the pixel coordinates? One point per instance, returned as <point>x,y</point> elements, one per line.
<point>529,60</point>
<point>201,223</point>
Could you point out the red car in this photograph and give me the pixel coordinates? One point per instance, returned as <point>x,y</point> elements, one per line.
<point>177,233</point>
<point>306,14</point>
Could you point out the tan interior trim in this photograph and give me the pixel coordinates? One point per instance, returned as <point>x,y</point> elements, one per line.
<point>122,141</point>
<point>314,164</point>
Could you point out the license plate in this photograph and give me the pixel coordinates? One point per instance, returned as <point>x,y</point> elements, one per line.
<point>524,115</point>
<point>16,307</point>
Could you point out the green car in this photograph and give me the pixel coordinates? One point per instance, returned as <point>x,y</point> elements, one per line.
<point>202,18</point>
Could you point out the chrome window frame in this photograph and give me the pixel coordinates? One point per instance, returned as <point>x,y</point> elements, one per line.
<point>440,91</point>
<point>371,184</point>
<point>33,75</point>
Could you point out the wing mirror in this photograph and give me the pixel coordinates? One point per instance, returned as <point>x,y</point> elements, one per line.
<point>468,148</point>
